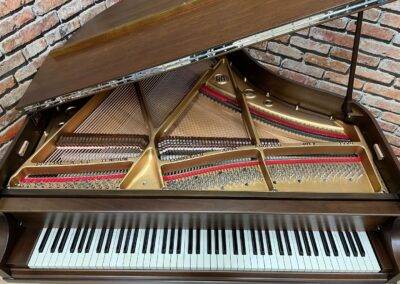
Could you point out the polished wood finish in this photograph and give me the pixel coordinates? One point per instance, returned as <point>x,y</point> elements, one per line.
<point>163,31</point>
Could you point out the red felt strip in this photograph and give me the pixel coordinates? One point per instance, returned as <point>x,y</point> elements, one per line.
<point>221,97</point>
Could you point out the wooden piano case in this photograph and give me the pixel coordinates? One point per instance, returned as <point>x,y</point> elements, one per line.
<point>271,119</point>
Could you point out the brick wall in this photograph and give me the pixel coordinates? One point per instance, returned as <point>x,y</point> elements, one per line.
<point>318,56</point>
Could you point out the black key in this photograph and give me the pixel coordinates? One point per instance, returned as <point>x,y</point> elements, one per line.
<point>63,240</point>
<point>235,243</point>
<point>209,249</point>
<point>44,240</point>
<point>190,244</point>
<point>253,241</point>
<point>279,240</point>
<point>134,240</point>
<point>242,241</point>
<point>198,241</point>
<point>83,239</point>
<point>145,240</point>
<point>344,244</point>
<point>153,241</point>
<point>164,241</point>
<point>306,244</point>
<point>108,242</point>
<point>56,239</point>
<point>268,242</point>
<point>313,243</point>
<point>120,237</point>
<point>325,243</point>
<point>216,241</point>
<point>359,244</point>
<point>223,236</point>
<point>171,241</point>
<point>89,241</point>
<point>179,241</point>
<point>127,240</point>
<point>75,240</point>
<point>298,242</point>
<point>288,246</point>
<point>101,240</point>
<point>260,242</point>
<point>333,244</point>
<point>352,244</point>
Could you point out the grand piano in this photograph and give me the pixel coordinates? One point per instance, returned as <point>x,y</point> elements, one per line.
<point>156,149</point>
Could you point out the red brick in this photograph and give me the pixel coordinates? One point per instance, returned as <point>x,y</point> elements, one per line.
<point>25,72</point>
<point>373,75</point>
<point>91,12</point>
<point>298,77</point>
<point>396,39</point>
<point>340,23</point>
<point>332,37</point>
<point>373,30</point>
<point>342,79</point>
<point>62,31</point>
<point>390,66</point>
<point>391,117</point>
<point>372,15</point>
<point>7,6</point>
<point>70,9</point>
<point>16,21</point>
<point>326,63</point>
<point>381,103</point>
<point>6,84</point>
<point>303,68</point>
<point>363,59</point>
<point>8,117</point>
<point>285,50</point>
<point>30,32</point>
<point>382,91</point>
<point>380,49</point>
<point>12,97</point>
<point>393,139</point>
<point>396,151</point>
<point>86,3</point>
<point>38,61</point>
<point>331,87</point>
<point>397,83</point>
<point>10,132</point>
<point>270,67</point>
<point>265,57</point>
<point>394,6</point>
<point>11,62</point>
<point>260,45</point>
<point>387,126</point>
<point>309,44</point>
<point>282,39</point>
<point>304,32</point>
<point>391,20</point>
<point>110,3</point>
<point>34,48</point>
<point>41,7</point>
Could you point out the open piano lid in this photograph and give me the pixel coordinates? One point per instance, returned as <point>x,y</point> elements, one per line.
<point>136,39</point>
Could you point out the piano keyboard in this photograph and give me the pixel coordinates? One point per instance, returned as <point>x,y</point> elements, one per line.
<point>204,250</point>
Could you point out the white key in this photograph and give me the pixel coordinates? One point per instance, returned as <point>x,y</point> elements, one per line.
<point>373,264</point>
<point>91,256</point>
<point>353,260</point>
<point>107,254</point>
<point>334,259</point>
<point>260,258</point>
<point>220,256</point>
<point>359,258</point>
<point>345,259</point>
<point>127,255</point>
<point>101,255</point>
<point>248,257</point>
<point>46,250</point>
<point>270,262</point>
<point>185,255</point>
<point>295,252</point>
<point>229,247</point>
<point>207,257</point>
<point>174,255</point>
<point>35,254</point>
<point>213,256</point>
<point>193,256</point>
<point>275,251</point>
<point>201,262</point>
<point>306,258</point>
<point>146,256</point>
<point>120,256</point>
<point>54,255</point>
<point>314,262</point>
<point>160,257</point>
<point>240,256</point>
<point>286,258</point>
<point>67,249</point>
<point>113,249</point>
<point>137,259</point>
<point>167,256</point>
<point>293,260</point>
<point>182,255</point>
<point>74,255</point>
<point>324,259</point>
<point>157,250</point>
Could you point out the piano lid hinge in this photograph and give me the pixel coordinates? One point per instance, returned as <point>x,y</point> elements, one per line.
<point>346,106</point>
